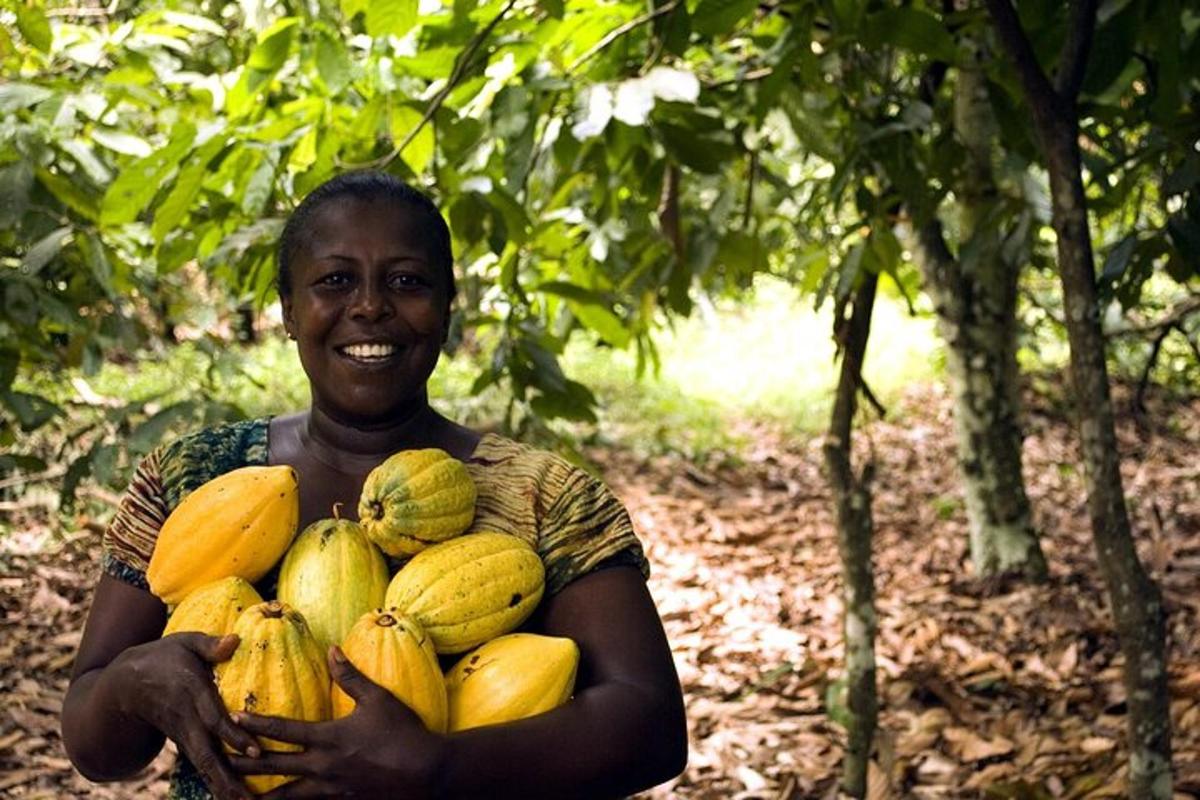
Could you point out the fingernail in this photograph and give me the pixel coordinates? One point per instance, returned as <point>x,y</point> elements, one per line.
<point>253,751</point>
<point>339,656</point>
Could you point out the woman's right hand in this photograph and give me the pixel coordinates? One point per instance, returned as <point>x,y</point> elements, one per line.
<point>168,684</point>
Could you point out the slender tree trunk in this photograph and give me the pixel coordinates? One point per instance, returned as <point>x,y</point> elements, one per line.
<point>852,495</point>
<point>976,301</point>
<point>1135,599</point>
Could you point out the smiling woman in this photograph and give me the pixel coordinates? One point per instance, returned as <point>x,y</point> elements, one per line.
<point>366,284</point>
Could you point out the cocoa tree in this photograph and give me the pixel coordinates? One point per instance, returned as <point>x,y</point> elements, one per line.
<point>1135,598</point>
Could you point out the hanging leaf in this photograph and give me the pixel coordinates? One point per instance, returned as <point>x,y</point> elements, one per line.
<point>391,17</point>
<point>910,29</point>
<point>418,154</point>
<point>45,250</point>
<point>274,45</point>
<point>178,202</point>
<point>720,17</point>
<point>34,26</point>
<point>138,183</point>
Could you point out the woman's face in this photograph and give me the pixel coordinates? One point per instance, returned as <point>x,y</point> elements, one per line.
<point>368,309</point>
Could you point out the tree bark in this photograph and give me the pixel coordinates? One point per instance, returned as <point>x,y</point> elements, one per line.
<point>1135,599</point>
<point>852,495</point>
<point>975,296</point>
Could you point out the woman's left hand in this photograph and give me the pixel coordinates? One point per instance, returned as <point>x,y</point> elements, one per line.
<point>381,750</point>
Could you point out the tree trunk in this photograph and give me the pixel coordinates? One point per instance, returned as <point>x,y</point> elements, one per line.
<point>852,495</point>
<point>975,297</point>
<point>1135,599</point>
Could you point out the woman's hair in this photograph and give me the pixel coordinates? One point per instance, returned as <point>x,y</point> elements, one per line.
<point>372,187</point>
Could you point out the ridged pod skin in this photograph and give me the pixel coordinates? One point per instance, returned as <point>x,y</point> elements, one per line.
<point>278,670</point>
<point>393,651</point>
<point>510,678</point>
<point>414,499</point>
<point>470,589</point>
<point>214,608</point>
<point>239,524</point>
<point>332,574</point>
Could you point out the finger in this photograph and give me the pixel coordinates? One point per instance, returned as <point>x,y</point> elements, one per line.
<point>216,718</point>
<point>305,734</point>
<point>216,772</point>
<point>347,676</point>
<point>213,649</point>
<point>273,762</point>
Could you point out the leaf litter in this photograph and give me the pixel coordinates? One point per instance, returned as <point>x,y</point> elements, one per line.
<point>987,689</point>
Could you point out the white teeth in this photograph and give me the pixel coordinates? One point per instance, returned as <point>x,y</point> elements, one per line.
<point>369,350</point>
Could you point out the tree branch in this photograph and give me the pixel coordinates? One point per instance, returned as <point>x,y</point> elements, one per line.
<point>621,30</point>
<point>1043,98</point>
<point>1072,63</point>
<point>456,75</point>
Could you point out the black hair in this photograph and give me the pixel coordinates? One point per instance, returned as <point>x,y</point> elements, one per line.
<point>368,186</point>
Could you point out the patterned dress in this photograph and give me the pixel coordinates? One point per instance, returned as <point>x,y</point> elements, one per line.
<point>573,520</point>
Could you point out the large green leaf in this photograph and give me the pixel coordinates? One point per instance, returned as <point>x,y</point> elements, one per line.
<point>391,17</point>
<point>274,45</point>
<point>172,211</point>
<point>911,29</point>
<point>130,194</point>
<point>34,26</point>
<point>720,17</point>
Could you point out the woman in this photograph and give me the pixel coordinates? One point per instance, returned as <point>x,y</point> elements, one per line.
<point>366,284</point>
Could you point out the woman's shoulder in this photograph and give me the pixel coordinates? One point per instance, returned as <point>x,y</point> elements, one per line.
<point>196,457</point>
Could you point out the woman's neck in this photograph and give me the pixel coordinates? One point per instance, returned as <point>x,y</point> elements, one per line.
<point>354,448</point>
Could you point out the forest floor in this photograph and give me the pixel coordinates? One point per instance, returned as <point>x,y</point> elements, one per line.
<point>997,691</point>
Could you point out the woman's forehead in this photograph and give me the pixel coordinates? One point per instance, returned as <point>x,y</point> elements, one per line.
<point>351,219</point>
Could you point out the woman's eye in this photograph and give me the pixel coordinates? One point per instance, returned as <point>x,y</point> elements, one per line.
<point>333,279</point>
<point>407,280</point>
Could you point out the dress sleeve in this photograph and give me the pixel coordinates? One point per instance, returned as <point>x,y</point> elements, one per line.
<point>585,528</point>
<point>129,540</point>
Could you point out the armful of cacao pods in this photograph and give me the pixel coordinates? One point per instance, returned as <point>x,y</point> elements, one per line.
<point>130,690</point>
<point>623,731</point>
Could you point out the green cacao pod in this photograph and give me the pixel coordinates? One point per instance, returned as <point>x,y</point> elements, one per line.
<point>470,589</point>
<point>416,498</point>
<point>394,652</point>
<point>213,608</point>
<point>278,670</point>
<point>510,678</point>
<point>332,574</point>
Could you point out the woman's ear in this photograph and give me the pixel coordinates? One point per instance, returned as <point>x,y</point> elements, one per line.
<point>289,322</point>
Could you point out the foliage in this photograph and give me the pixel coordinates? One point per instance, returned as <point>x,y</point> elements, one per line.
<point>600,164</point>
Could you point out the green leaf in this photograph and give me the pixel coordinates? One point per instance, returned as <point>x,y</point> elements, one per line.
<point>70,194</point>
<point>391,17</point>
<point>172,211</point>
<point>703,152</point>
<point>1118,259</point>
<point>14,96</point>
<point>273,45</point>
<point>9,360</point>
<point>34,26</point>
<point>92,250</point>
<point>333,62</point>
<point>720,17</point>
<point>16,180</point>
<point>603,322</point>
<point>31,410</point>
<point>910,29</point>
<point>138,183</point>
<point>419,152</point>
<point>259,186</point>
<point>45,250</point>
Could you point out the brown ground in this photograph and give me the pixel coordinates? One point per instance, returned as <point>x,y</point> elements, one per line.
<point>1001,692</point>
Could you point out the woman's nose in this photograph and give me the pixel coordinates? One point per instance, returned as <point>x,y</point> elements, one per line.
<point>370,302</point>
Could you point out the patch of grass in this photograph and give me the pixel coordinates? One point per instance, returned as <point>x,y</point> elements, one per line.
<point>768,359</point>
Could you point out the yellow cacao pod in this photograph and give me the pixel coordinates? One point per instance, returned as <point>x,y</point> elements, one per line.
<point>278,670</point>
<point>332,574</point>
<point>393,651</point>
<point>238,524</point>
<point>470,589</point>
<point>213,608</point>
<point>510,678</point>
<point>416,498</point>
